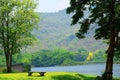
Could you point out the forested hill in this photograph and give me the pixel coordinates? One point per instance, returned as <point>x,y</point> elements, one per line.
<point>56,31</point>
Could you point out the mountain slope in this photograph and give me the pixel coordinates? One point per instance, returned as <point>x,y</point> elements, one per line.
<point>56,31</point>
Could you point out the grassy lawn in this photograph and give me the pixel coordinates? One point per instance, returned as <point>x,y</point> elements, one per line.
<point>48,76</point>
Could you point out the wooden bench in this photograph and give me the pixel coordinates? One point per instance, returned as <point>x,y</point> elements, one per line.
<point>41,73</point>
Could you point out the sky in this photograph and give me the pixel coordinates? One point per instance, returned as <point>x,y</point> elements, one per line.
<point>52,5</point>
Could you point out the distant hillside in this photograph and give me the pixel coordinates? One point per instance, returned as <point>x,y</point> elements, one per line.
<point>56,31</point>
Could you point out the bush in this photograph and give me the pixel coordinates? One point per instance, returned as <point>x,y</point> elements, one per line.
<point>27,68</point>
<point>3,70</point>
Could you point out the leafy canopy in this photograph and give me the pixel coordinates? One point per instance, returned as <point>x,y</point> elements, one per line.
<point>17,21</point>
<point>105,13</point>
<point>100,12</point>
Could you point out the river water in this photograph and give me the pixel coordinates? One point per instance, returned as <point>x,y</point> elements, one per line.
<point>96,69</point>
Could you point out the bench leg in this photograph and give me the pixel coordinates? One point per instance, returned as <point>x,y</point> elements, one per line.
<point>41,73</point>
<point>30,73</point>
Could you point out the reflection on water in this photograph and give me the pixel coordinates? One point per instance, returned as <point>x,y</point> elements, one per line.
<point>96,69</point>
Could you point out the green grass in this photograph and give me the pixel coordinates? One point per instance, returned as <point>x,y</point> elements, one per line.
<point>48,76</point>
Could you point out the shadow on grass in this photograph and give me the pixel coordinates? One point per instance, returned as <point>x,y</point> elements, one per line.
<point>86,77</point>
<point>65,77</point>
<point>72,77</point>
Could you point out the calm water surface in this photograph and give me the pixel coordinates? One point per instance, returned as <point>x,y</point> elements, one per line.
<point>96,69</point>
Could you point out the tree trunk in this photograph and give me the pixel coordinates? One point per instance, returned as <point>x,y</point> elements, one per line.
<point>110,55</point>
<point>8,64</point>
<point>109,63</point>
<point>109,66</point>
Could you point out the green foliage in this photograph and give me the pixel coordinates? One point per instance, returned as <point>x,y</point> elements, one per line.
<point>101,12</point>
<point>81,55</point>
<point>117,57</point>
<point>99,56</point>
<point>2,58</point>
<point>17,21</point>
<point>2,69</point>
<point>51,57</point>
<point>22,58</point>
<point>57,56</point>
<point>20,21</point>
<point>27,68</point>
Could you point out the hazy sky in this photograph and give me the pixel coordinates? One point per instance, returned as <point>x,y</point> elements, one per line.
<point>52,5</point>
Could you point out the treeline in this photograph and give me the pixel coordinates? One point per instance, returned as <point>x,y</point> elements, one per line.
<point>57,56</point>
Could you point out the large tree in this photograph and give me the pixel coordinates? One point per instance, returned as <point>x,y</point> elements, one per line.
<point>105,13</point>
<point>17,21</point>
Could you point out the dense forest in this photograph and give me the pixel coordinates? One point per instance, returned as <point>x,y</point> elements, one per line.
<point>57,56</point>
